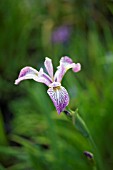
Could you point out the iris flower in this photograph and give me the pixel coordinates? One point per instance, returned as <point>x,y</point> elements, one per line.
<point>56,91</point>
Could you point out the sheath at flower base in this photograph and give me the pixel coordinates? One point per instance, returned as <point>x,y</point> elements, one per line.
<point>57,93</point>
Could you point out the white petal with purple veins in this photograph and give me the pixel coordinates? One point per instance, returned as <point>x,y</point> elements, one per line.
<point>31,73</point>
<point>60,98</point>
<point>44,78</point>
<point>27,73</point>
<point>49,66</point>
<point>65,64</point>
<point>59,73</point>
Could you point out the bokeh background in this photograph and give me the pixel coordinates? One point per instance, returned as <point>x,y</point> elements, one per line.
<point>32,135</point>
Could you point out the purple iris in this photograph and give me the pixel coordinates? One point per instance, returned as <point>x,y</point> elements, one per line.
<point>61,34</point>
<point>57,93</point>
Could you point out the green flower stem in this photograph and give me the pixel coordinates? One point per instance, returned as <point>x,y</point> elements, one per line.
<point>96,153</point>
<point>80,125</point>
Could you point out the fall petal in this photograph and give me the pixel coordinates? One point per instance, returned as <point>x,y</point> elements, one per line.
<point>27,73</point>
<point>60,97</point>
<point>31,73</point>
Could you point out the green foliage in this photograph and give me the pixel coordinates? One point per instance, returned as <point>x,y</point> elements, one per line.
<point>32,135</point>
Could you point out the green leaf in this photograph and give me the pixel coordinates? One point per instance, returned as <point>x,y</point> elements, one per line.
<point>80,125</point>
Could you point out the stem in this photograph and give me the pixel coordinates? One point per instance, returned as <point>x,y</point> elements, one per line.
<point>80,125</point>
<point>96,153</point>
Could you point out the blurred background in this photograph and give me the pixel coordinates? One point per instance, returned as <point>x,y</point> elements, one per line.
<point>32,135</point>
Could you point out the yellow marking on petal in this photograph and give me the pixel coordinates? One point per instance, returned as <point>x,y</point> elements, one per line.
<point>56,88</point>
<point>36,74</point>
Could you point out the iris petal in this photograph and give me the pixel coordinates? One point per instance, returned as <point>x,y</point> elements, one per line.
<point>66,60</point>
<point>31,73</point>
<point>65,64</point>
<point>59,73</point>
<point>49,66</point>
<point>60,98</point>
<point>27,73</point>
<point>44,78</point>
<point>76,67</point>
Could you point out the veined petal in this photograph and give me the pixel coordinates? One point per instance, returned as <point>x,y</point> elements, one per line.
<point>65,64</point>
<point>31,73</point>
<point>66,60</point>
<point>49,66</point>
<point>60,97</point>
<point>27,73</point>
<point>59,73</point>
<point>68,63</point>
<point>44,78</point>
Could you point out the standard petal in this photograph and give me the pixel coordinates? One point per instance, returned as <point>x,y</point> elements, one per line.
<point>60,98</point>
<point>59,73</point>
<point>65,64</point>
<point>68,63</point>
<point>27,73</point>
<point>49,66</point>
